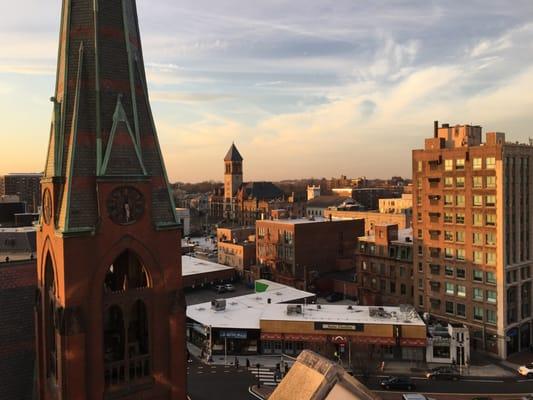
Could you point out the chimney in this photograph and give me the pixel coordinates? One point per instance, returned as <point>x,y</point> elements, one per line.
<point>435,129</point>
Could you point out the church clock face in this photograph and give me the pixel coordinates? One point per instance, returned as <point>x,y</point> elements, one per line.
<point>125,205</point>
<point>47,206</point>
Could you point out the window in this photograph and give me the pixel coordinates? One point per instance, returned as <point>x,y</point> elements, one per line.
<point>478,313</point>
<point>419,234</point>
<point>449,307</point>
<point>448,236</point>
<point>126,327</point>
<point>490,277</point>
<point>448,270</point>
<point>490,238</point>
<point>460,200</point>
<point>460,254</point>
<point>460,164</point>
<point>420,284</point>
<point>477,200</point>
<point>448,181</point>
<point>461,310</point>
<point>419,217</point>
<point>459,218</point>
<point>448,218</point>
<point>461,291</point>
<point>392,287</point>
<point>402,289</point>
<point>420,267</point>
<point>477,275</point>
<point>490,220</point>
<point>450,288</point>
<point>478,219</point>
<point>477,182</point>
<point>460,236</point>
<point>477,238</point>
<point>419,181</point>
<point>460,181</point>
<point>490,162</point>
<point>448,200</point>
<point>448,253</point>
<point>490,200</point>
<point>448,165</point>
<point>419,166</point>
<point>478,257</point>
<point>435,269</point>
<point>477,163</point>
<point>491,296</point>
<point>491,258</point>
<point>491,181</point>
<point>491,316</point>
<point>461,273</point>
<point>477,294</point>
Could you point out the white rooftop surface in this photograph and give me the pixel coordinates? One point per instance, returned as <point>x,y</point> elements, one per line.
<point>193,266</point>
<point>20,229</point>
<point>244,312</point>
<point>341,314</point>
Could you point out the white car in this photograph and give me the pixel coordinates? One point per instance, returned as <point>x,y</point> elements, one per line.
<point>526,370</point>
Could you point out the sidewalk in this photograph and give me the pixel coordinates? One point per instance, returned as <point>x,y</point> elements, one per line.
<point>266,361</point>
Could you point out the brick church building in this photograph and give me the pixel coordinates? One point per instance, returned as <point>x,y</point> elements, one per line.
<point>110,312</point>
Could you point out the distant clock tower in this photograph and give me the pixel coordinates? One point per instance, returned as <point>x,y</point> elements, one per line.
<point>110,311</point>
<point>232,181</point>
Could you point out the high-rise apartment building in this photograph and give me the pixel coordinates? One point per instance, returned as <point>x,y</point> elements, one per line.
<point>26,186</point>
<point>472,237</point>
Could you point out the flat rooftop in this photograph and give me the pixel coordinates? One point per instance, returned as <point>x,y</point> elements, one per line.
<point>343,314</point>
<point>297,221</point>
<point>195,266</point>
<point>244,312</point>
<point>202,243</point>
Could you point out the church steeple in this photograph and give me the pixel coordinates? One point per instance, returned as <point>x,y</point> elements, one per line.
<point>110,312</point>
<point>232,173</point>
<point>102,125</point>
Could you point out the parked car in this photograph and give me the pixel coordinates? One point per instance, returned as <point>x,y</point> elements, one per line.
<point>481,398</point>
<point>444,373</point>
<point>229,287</point>
<point>220,289</point>
<point>526,370</point>
<point>333,297</point>
<point>396,382</point>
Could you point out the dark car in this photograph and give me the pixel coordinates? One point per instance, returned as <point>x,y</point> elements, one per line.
<point>397,382</point>
<point>333,297</point>
<point>444,373</point>
<point>481,398</point>
<point>220,289</point>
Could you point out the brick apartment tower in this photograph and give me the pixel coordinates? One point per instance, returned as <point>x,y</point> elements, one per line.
<point>110,311</point>
<point>473,258</point>
<point>232,180</point>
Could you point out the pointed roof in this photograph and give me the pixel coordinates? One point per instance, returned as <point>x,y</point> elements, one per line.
<point>233,154</point>
<point>102,123</point>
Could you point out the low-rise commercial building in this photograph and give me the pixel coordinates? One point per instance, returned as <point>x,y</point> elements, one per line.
<point>448,344</point>
<point>198,272</point>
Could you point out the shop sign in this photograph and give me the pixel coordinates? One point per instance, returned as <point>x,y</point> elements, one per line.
<point>327,326</point>
<point>233,334</point>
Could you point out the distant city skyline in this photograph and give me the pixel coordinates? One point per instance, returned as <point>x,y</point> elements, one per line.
<point>304,89</point>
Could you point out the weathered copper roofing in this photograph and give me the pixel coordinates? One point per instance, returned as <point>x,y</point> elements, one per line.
<point>102,124</point>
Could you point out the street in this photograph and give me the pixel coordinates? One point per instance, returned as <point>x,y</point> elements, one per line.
<point>210,382</point>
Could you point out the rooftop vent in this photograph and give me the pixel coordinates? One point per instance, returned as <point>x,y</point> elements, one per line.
<point>294,309</point>
<point>218,304</point>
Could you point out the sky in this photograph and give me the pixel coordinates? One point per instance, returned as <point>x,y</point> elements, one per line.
<point>305,88</point>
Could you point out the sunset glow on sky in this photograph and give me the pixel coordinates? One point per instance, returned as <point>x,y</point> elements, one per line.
<point>304,88</point>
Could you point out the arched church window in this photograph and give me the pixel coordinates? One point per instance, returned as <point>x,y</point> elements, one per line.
<point>114,345</point>
<point>126,323</point>
<point>49,307</point>
<point>125,273</point>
